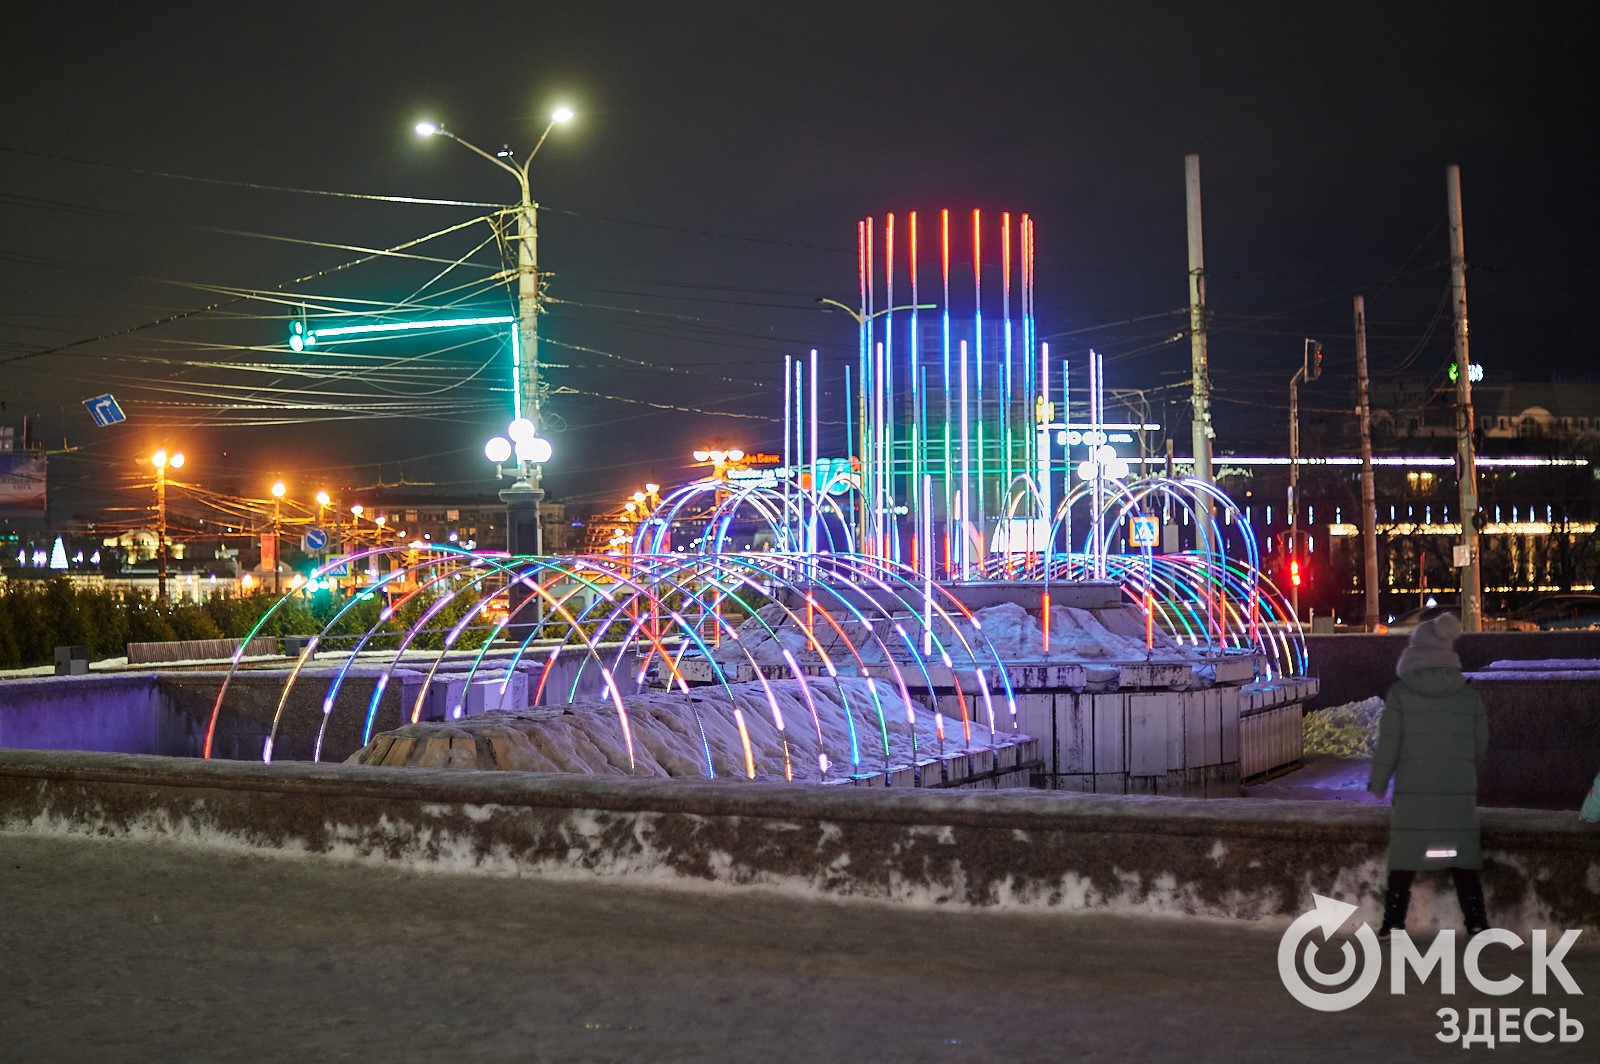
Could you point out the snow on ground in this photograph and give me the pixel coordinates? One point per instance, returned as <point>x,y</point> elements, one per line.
<point>790,729</point>
<point>1006,629</point>
<point>136,951</point>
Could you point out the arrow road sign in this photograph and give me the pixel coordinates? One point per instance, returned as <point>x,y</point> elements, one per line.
<point>315,541</point>
<point>105,410</point>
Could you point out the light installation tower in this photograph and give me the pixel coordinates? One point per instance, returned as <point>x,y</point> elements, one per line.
<point>953,403</point>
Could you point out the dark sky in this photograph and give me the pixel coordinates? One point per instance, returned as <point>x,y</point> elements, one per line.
<point>709,190</point>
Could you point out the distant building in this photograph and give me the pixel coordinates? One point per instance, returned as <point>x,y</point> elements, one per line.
<point>469,521</point>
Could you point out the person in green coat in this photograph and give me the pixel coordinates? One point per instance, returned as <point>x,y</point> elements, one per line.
<point>1432,738</point>
<point>1591,802</point>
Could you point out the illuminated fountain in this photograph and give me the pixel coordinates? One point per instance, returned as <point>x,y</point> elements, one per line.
<point>982,592</point>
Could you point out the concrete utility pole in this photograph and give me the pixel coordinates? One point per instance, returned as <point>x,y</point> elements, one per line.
<point>1309,370</point>
<point>1369,492</point>
<point>1202,429</point>
<point>524,534</point>
<point>524,530</point>
<point>1466,558</point>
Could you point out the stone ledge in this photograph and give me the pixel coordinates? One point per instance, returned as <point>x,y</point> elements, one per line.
<point>1229,858</point>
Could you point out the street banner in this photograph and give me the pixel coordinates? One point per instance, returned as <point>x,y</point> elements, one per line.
<point>22,483</point>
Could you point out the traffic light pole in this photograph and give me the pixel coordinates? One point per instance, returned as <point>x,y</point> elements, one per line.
<point>1309,370</point>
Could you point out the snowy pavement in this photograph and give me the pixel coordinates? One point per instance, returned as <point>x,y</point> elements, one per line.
<point>116,950</point>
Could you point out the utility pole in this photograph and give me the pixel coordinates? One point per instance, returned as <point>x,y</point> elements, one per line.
<point>1466,553</point>
<point>162,460</point>
<point>524,530</point>
<point>1202,429</point>
<point>278,490</point>
<point>1309,370</point>
<point>161,529</point>
<point>1369,491</point>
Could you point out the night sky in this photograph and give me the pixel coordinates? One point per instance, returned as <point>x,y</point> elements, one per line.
<point>708,193</point>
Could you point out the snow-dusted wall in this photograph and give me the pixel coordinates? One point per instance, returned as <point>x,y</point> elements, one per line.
<point>1232,858</point>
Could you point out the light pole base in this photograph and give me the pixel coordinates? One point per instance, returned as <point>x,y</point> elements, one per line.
<point>523,539</point>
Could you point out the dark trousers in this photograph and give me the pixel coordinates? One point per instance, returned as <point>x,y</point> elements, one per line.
<point>1469,893</point>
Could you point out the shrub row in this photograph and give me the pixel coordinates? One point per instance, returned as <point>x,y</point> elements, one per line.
<point>35,618</point>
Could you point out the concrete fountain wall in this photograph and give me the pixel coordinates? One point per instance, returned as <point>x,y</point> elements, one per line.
<point>168,712</point>
<point>1239,859</point>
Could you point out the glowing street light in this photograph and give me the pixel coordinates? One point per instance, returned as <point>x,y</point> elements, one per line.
<point>161,460</point>
<point>522,498</point>
<point>719,459</point>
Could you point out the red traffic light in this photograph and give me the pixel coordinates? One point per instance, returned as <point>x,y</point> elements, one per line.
<point>1294,571</point>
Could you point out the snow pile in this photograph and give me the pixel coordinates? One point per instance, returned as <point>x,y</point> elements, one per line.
<point>1006,630</point>
<point>810,723</point>
<point>1350,730</point>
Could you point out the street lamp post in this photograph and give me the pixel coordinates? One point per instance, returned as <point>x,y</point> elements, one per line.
<point>277,543</point>
<point>522,500</point>
<point>523,534</point>
<point>161,460</point>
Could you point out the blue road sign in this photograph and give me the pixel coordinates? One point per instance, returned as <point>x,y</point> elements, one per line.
<point>1145,531</point>
<point>315,541</point>
<point>105,410</point>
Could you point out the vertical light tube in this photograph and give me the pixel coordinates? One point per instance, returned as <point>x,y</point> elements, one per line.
<point>1041,434</point>
<point>863,378</point>
<point>811,528</point>
<point>1066,455</point>
<point>888,372</point>
<point>1098,415</point>
<point>977,360</point>
<point>800,450</point>
<point>877,391</point>
<point>965,542</point>
<point>919,412</point>
<point>1029,389</point>
<point>868,312</point>
<point>927,572</point>
<point>949,414</point>
<point>789,465</point>
<point>1007,413</point>
<point>848,435</point>
<point>881,484</point>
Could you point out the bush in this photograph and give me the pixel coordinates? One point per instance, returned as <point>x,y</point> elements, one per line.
<point>35,618</point>
<point>1350,730</point>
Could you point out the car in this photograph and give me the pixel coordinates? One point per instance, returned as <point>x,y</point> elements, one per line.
<point>1559,612</point>
<point>1411,620</point>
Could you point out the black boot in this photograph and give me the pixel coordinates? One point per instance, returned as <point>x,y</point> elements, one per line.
<point>1469,893</point>
<point>1395,903</point>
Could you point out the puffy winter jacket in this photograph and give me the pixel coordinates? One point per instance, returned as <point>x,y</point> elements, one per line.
<point>1432,738</point>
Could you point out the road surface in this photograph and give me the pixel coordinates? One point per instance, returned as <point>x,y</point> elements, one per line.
<point>113,950</point>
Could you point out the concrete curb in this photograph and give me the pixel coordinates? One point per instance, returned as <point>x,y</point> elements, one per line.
<point>1244,859</point>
